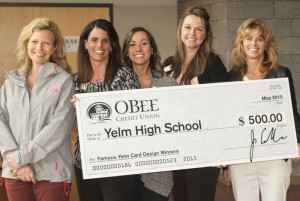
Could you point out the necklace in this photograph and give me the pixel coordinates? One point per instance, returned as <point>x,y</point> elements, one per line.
<point>98,74</point>
<point>100,78</point>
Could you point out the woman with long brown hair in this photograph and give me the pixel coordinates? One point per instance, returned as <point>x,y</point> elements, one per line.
<point>195,63</point>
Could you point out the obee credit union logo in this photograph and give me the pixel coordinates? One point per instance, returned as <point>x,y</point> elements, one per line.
<point>99,112</point>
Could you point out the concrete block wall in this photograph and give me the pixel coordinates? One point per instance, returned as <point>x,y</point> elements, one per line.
<point>282,15</point>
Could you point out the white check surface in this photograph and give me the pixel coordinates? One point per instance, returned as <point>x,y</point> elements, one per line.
<point>170,128</point>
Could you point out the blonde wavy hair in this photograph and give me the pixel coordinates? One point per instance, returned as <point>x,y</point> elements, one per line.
<point>24,63</point>
<point>238,56</point>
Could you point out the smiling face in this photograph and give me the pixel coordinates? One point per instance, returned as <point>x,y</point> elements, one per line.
<point>193,32</point>
<point>98,45</point>
<point>40,46</point>
<point>254,46</point>
<point>140,49</point>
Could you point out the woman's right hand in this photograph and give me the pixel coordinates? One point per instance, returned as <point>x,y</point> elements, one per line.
<point>11,163</point>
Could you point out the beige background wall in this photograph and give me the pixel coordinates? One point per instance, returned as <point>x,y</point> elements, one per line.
<point>159,16</point>
<point>161,21</point>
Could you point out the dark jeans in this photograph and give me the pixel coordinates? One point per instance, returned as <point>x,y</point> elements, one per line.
<point>195,184</point>
<point>105,189</point>
<point>149,195</point>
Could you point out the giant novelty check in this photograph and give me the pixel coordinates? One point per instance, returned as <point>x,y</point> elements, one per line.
<point>183,127</point>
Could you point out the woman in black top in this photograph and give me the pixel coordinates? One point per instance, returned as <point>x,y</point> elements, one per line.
<point>195,63</point>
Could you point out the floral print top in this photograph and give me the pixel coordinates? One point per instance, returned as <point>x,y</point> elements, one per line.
<point>125,79</point>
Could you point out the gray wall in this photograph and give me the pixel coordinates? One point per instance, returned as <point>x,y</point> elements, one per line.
<point>282,15</point>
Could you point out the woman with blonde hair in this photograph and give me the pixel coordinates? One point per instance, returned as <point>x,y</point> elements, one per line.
<point>36,117</point>
<point>254,57</point>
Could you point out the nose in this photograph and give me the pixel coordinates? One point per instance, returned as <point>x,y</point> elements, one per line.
<point>100,43</point>
<point>192,31</point>
<point>253,41</point>
<point>39,45</point>
<point>138,47</point>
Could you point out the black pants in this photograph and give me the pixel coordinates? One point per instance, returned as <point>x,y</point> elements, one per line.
<point>149,195</point>
<point>195,184</point>
<point>105,189</point>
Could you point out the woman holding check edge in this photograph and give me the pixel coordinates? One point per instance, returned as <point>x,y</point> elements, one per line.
<point>99,70</point>
<point>254,57</point>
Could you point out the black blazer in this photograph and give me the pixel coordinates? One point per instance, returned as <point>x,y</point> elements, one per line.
<point>214,71</point>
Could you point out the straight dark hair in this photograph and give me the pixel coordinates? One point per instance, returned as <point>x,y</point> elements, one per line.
<point>85,70</point>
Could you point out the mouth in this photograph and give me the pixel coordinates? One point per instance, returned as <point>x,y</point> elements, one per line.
<point>99,51</point>
<point>39,54</point>
<point>253,49</point>
<point>139,55</point>
<point>192,39</point>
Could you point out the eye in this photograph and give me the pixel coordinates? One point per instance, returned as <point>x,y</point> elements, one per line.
<point>260,39</point>
<point>94,40</point>
<point>187,27</point>
<point>106,41</point>
<point>46,44</point>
